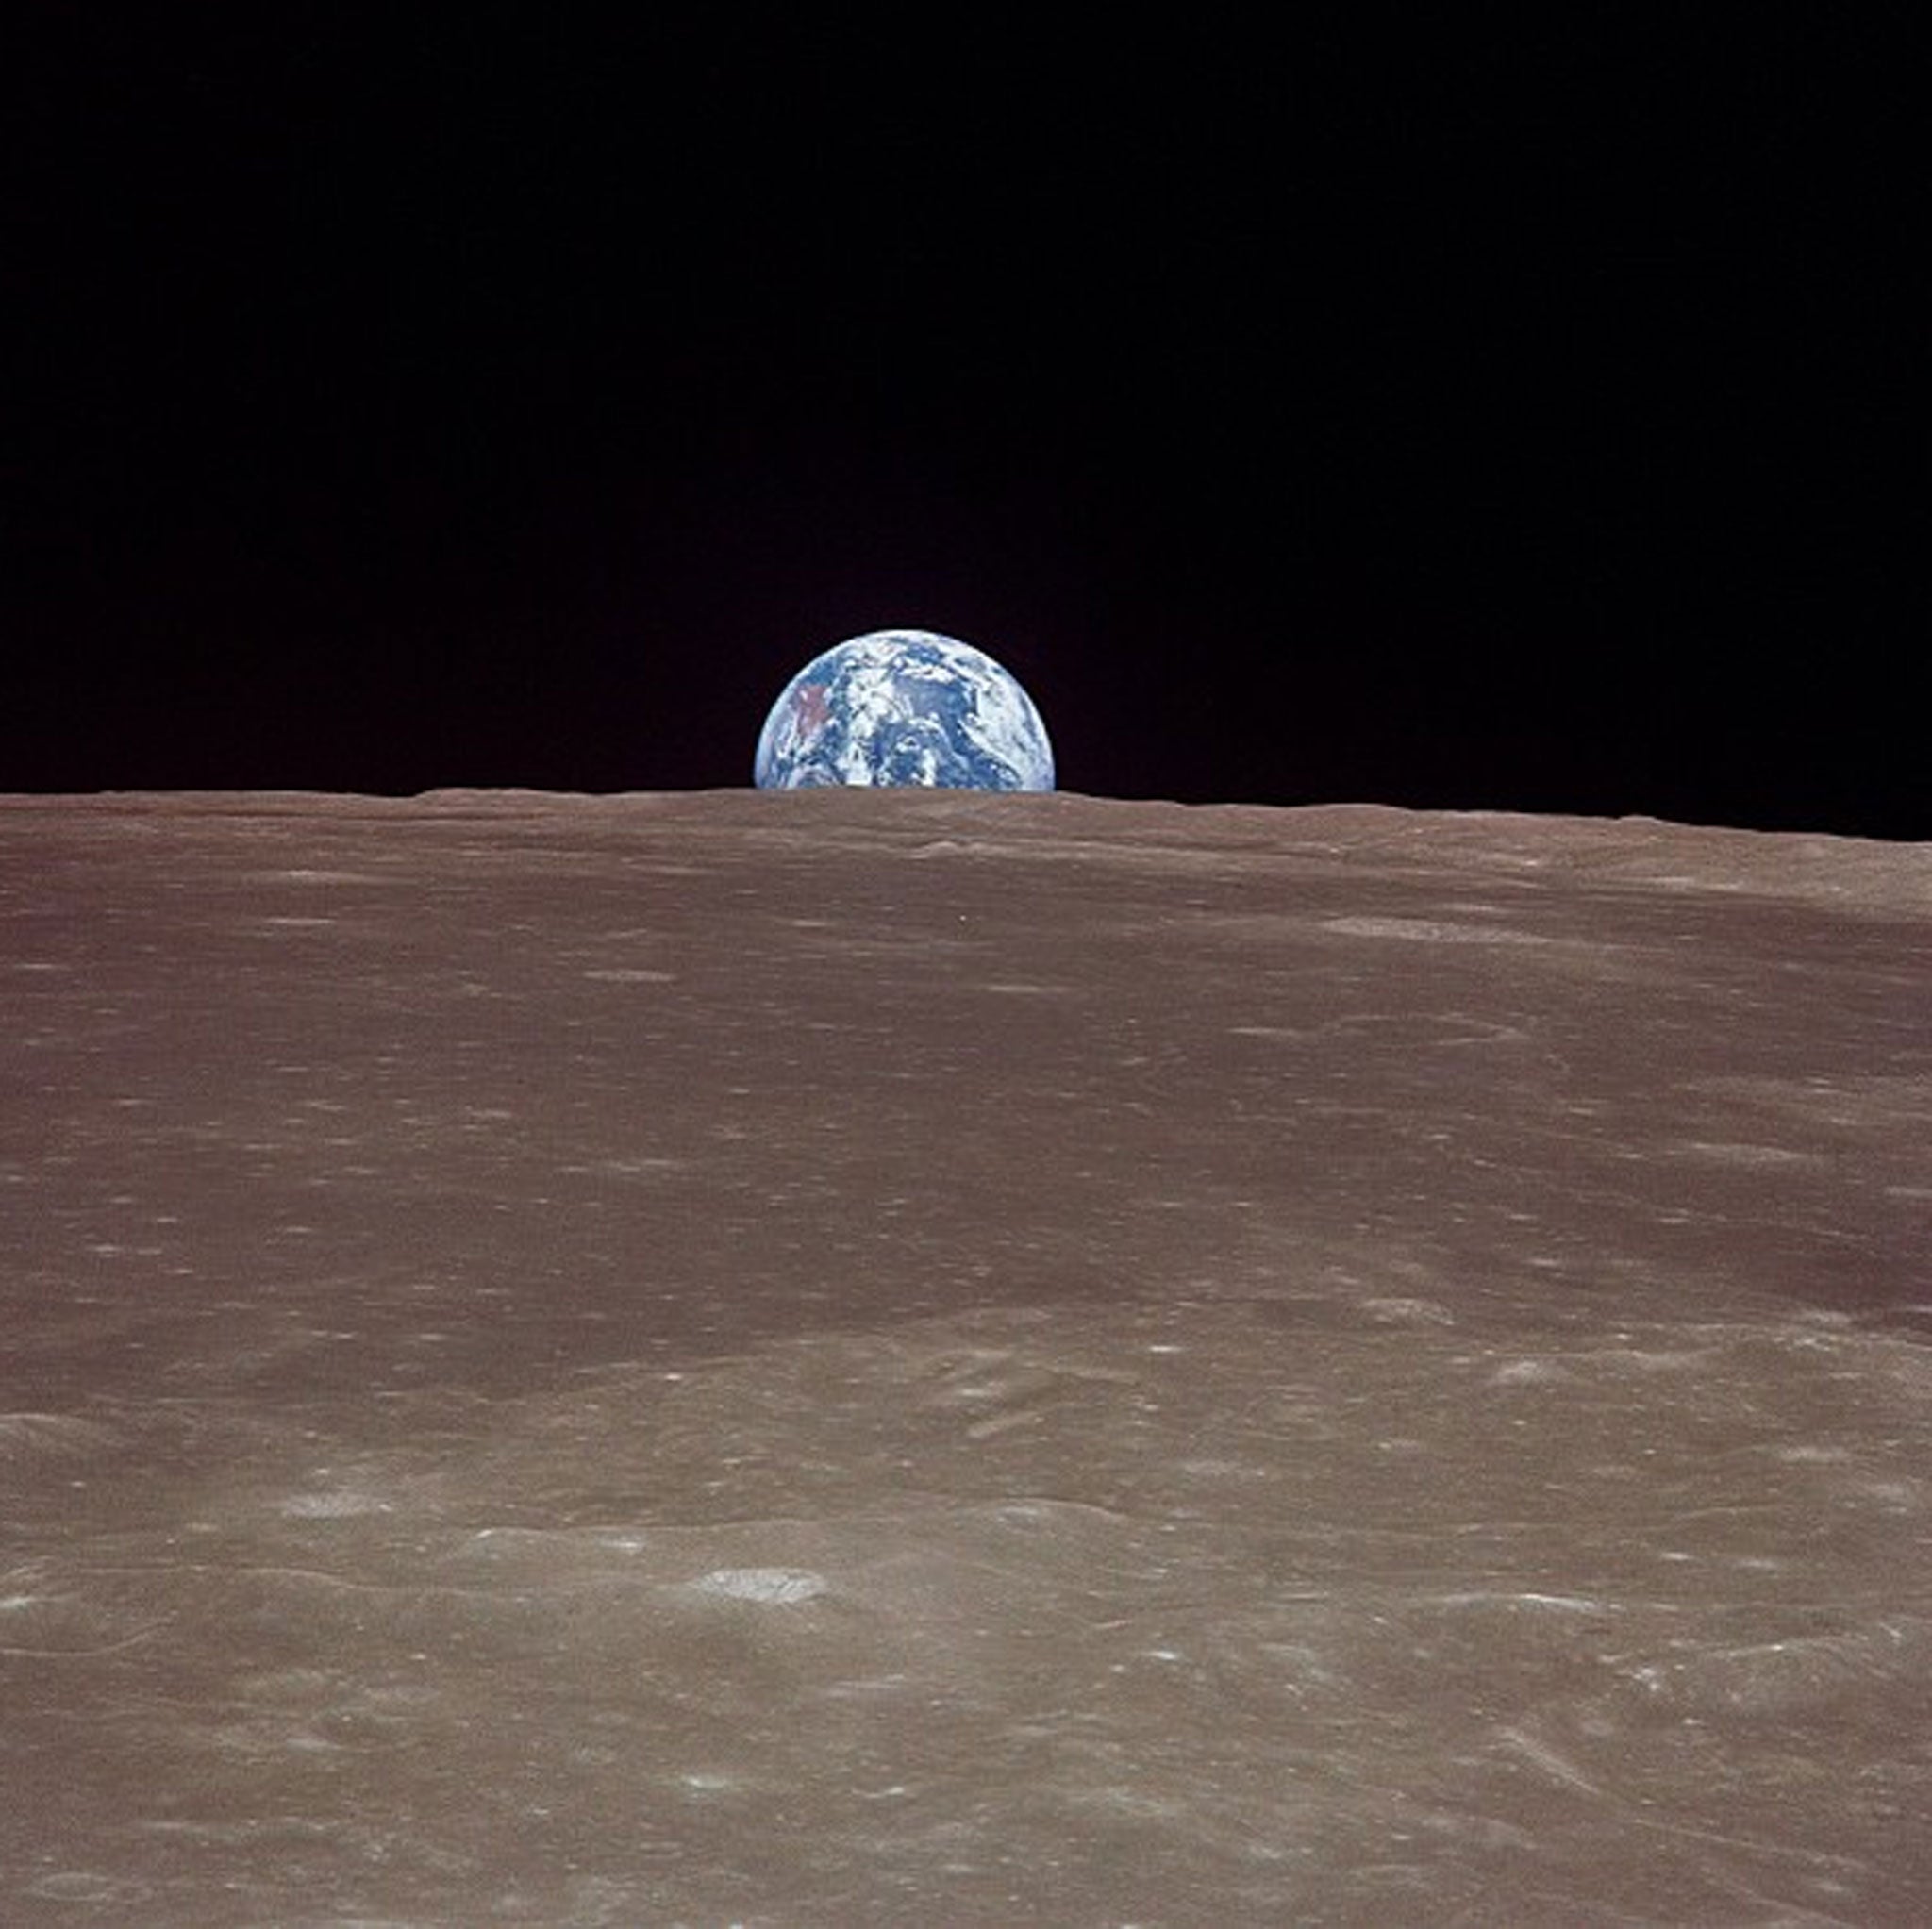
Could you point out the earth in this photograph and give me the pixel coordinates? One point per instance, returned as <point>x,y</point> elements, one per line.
<point>902,706</point>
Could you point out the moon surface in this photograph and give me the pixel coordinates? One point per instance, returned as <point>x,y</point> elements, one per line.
<point>867,1356</point>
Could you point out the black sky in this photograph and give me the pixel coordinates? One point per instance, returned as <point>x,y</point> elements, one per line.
<point>1512,414</point>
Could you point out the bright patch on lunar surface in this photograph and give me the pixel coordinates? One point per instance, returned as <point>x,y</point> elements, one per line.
<point>904,707</point>
<point>773,1586</point>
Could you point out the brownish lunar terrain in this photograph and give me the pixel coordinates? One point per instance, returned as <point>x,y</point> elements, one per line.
<point>894,1357</point>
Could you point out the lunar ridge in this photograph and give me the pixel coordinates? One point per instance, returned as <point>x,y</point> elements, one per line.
<point>867,1356</point>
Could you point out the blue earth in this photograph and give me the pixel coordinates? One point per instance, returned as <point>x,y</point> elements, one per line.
<point>904,707</point>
